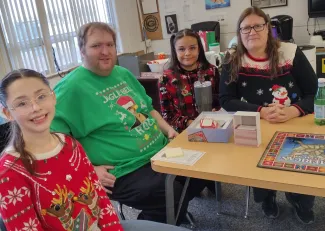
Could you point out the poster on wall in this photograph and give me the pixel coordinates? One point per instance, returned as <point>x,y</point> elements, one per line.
<point>171,23</point>
<point>214,4</point>
<point>269,3</point>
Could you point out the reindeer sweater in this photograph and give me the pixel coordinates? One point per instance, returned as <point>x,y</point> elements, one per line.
<point>295,85</point>
<point>63,194</point>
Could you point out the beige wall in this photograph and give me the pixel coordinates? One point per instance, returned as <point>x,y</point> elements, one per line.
<point>129,28</point>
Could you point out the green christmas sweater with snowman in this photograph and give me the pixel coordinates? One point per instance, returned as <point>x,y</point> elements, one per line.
<point>110,116</point>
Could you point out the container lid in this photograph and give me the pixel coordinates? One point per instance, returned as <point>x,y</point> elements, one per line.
<point>321,82</point>
<point>214,44</point>
<point>306,47</point>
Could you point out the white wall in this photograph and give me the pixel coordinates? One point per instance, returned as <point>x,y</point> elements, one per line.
<point>128,25</point>
<point>296,9</point>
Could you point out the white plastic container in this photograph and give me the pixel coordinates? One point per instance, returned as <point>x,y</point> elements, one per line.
<point>158,65</point>
<point>211,57</point>
<point>214,47</point>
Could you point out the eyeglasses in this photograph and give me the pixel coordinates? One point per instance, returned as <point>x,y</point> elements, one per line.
<point>248,29</point>
<point>25,106</point>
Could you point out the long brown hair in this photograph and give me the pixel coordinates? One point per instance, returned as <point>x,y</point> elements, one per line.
<point>272,46</point>
<point>16,136</point>
<point>174,64</point>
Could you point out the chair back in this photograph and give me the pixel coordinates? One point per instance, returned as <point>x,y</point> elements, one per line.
<point>208,26</point>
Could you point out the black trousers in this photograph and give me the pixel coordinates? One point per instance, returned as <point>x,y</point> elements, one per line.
<point>306,202</point>
<point>144,189</point>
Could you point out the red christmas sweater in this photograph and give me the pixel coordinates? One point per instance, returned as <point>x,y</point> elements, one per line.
<point>178,105</point>
<point>63,194</point>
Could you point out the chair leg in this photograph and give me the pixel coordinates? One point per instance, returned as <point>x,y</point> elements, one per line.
<point>218,196</point>
<point>120,210</point>
<point>247,200</point>
<point>218,190</point>
<point>190,219</point>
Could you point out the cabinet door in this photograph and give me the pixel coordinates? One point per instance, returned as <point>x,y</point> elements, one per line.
<point>152,88</point>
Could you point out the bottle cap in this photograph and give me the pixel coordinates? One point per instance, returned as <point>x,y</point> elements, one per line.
<point>321,80</point>
<point>214,44</point>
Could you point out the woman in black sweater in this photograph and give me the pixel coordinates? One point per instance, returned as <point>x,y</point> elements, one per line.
<point>275,79</point>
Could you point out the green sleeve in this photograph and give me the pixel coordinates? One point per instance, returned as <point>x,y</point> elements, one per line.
<point>68,116</point>
<point>60,125</point>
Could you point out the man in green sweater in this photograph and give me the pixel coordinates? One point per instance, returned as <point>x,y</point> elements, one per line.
<point>107,110</point>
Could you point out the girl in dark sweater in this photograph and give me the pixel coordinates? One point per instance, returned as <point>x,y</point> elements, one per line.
<point>188,64</point>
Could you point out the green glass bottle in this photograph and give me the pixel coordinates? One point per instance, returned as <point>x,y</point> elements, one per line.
<point>319,103</point>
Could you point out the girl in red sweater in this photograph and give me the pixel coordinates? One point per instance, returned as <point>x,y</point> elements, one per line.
<point>46,179</point>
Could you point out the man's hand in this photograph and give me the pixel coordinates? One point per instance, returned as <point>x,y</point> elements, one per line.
<point>172,133</point>
<point>105,178</point>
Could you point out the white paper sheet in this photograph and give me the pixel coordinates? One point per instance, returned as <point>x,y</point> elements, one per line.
<point>190,157</point>
<point>149,6</point>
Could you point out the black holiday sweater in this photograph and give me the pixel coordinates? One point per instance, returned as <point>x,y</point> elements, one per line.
<point>295,85</point>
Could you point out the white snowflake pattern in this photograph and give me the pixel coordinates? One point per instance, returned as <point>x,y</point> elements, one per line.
<point>110,210</point>
<point>31,225</point>
<point>265,104</point>
<point>14,196</point>
<point>142,103</point>
<point>102,213</point>
<point>111,106</point>
<point>3,203</point>
<point>122,115</point>
<point>98,185</point>
<point>259,92</point>
<point>291,84</point>
<point>244,84</point>
<point>27,191</point>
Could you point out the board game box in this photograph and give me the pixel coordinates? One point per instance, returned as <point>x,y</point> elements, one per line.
<point>300,152</point>
<point>218,130</point>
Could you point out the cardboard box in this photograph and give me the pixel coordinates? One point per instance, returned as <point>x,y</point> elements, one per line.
<point>247,128</point>
<point>218,135</point>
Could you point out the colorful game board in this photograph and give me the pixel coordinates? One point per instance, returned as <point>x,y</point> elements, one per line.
<point>300,152</point>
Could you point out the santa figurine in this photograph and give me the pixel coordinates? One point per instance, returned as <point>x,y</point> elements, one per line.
<point>280,95</point>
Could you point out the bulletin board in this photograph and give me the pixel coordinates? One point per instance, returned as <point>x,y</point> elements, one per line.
<point>187,13</point>
<point>150,20</point>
